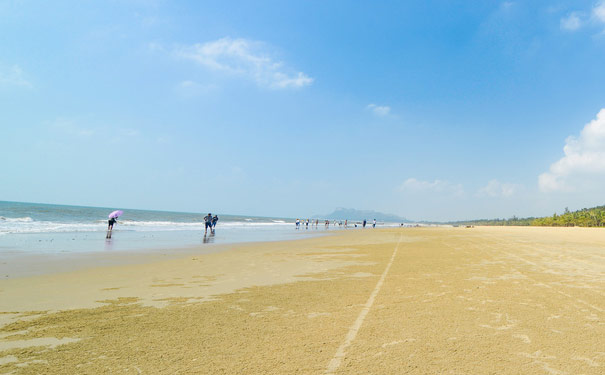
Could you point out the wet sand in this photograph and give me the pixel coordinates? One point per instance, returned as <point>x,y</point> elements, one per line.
<point>417,301</point>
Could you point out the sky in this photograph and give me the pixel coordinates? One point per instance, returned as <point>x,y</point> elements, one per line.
<point>431,110</point>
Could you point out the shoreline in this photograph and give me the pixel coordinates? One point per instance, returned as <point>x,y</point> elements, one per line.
<point>18,264</point>
<point>122,274</point>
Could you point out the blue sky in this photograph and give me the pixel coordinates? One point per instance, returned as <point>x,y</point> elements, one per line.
<point>433,110</point>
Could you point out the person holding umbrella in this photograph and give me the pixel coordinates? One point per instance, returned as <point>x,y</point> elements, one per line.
<point>113,218</point>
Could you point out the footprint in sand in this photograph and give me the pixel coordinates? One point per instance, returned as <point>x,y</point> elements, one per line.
<point>498,319</point>
<point>397,342</point>
<point>588,361</point>
<point>524,338</point>
<point>317,314</point>
<point>539,359</point>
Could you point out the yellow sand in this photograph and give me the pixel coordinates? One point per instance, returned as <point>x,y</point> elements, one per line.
<point>454,301</point>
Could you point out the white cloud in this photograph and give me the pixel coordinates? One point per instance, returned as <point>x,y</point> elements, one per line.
<point>571,22</point>
<point>379,110</point>
<point>246,58</point>
<point>506,5</point>
<point>495,188</point>
<point>13,76</point>
<point>437,186</point>
<point>583,166</point>
<point>594,17</point>
<point>599,12</point>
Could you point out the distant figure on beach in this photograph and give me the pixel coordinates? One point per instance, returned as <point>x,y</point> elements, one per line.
<point>111,222</point>
<point>297,224</point>
<point>346,222</point>
<point>316,223</point>
<point>364,223</point>
<point>214,221</point>
<point>374,224</point>
<point>307,224</point>
<point>208,223</point>
<point>327,223</point>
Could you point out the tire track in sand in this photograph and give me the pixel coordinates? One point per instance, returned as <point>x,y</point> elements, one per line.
<point>350,337</point>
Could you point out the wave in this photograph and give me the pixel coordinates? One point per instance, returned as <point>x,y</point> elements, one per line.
<point>27,225</point>
<point>26,219</point>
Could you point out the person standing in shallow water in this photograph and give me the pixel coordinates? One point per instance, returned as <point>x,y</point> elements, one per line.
<point>208,223</point>
<point>214,221</point>
<point>374,224</point>
<point>111,222</point>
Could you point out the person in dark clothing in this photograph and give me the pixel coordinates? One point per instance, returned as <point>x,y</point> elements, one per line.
<point>208,223</point>
<point>111,222</point>
<point>214,220</point>
<point>364,223</point>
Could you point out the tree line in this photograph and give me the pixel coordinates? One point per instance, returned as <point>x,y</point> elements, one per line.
<point>586,217</point>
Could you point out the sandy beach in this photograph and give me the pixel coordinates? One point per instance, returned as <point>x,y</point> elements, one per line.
<point>411,300</point>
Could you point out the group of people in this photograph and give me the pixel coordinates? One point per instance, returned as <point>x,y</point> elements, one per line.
<point>210,222</point>
<point>327,223</point>
<point>306,223</point>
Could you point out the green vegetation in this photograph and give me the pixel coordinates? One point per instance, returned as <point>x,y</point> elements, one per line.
<point>586,217</point>
<point>513,221</point>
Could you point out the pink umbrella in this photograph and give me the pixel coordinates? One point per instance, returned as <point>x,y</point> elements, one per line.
<point>115,214</point>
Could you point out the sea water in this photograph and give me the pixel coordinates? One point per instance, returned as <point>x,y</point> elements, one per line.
<point>48,228</point>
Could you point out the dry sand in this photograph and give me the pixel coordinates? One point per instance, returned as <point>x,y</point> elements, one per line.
<point>417,301</point>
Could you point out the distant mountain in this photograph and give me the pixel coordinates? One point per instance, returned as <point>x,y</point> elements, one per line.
<point>359,215</point>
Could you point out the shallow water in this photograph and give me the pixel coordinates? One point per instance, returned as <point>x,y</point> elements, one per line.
<point>44,228</point>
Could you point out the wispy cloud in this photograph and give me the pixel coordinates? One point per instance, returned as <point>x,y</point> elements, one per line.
<point>583,166</point>
<point>13,76</point>
<point>572,22</point>
<point>495,188</point>
<point>247,58</point>
<point>379,110</point>
<point>598,12</point>
<point>436,186</point>
<point>594,17</point>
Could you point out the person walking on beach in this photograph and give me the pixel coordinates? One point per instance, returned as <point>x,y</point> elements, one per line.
<point>346,222</point>
<point>307,224</point>
<point>111,222</point>
<point>208,223</point>
<point>364,223</point>
<point>297,224</point>
<point>214,221</point>
<point>374,224</point>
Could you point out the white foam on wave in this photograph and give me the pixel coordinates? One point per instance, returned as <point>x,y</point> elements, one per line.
<point>26,219</point>
<point>27,225</point>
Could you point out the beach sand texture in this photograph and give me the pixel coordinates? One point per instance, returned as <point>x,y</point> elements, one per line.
<point>389,301</point>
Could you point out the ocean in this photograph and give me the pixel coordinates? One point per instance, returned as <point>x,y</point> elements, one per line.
<point>49,228</point>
